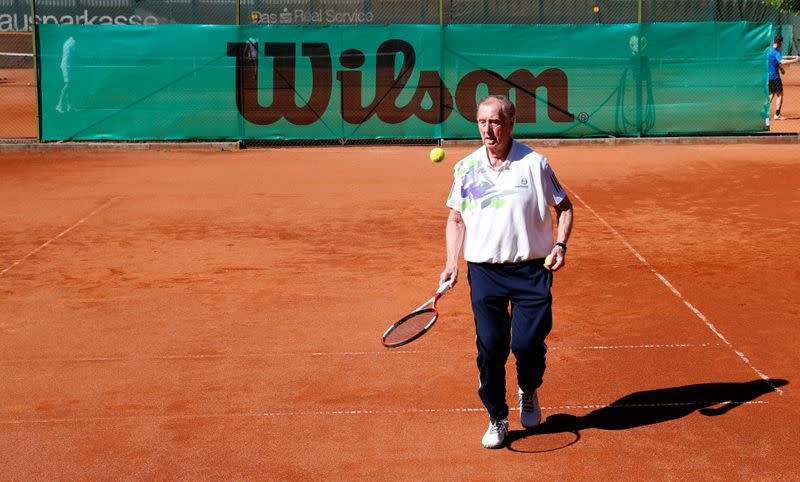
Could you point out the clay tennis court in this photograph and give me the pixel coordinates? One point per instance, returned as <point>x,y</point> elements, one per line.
<point>217,315</point>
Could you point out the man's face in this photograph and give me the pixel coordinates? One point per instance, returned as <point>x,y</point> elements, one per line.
<point>495,130</point>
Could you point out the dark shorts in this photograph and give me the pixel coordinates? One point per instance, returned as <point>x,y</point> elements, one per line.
<point>775,86</point>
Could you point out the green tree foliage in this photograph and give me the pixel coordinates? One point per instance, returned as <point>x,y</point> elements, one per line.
<point>792,6</point>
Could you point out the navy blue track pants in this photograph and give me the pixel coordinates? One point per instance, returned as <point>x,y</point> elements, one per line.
<point>499,330</point>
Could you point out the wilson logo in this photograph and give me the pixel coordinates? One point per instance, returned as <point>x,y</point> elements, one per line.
<point>432,102</point>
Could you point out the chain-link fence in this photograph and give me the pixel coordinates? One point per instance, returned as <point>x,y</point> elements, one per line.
<point>15,15</point>
<point>19,94</point>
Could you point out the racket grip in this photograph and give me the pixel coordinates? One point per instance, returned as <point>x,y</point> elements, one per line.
<point>444,287</point>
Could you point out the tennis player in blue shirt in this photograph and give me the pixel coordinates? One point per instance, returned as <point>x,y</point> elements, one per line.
<point>775,63</point>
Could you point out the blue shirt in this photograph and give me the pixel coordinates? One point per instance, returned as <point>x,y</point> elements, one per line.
<point>773,61</point>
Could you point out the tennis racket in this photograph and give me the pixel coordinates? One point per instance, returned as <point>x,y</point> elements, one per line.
<point>416,323</point>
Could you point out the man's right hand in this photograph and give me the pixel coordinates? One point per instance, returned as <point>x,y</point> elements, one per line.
<point>449,273</point>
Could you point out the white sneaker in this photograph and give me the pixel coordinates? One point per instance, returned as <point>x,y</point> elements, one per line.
<point>779,117</point>
<point>530,413</point>
<point>495,434</point>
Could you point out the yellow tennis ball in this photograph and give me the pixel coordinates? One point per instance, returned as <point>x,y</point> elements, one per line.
<point>596,9</point>
<point>437,154</point>
<point>547,260</point>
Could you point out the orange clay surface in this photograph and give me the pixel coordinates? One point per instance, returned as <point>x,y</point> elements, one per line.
<point>189,315</point>
<point>17,104</point>
<point>791,102</point>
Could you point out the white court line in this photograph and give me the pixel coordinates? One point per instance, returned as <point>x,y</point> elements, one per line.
<point>630,347</point>
<point>222,356</point>
<point>324,413</point>
<point>565,347</point>
<point>678,294</point>
<point>59,235</point>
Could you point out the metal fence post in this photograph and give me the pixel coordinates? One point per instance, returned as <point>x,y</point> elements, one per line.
<point>36,77</point>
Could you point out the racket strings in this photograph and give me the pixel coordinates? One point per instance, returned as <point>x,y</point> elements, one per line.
<point>410,327</point>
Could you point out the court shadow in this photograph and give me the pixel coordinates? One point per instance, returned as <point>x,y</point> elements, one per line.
<point>650,407</point>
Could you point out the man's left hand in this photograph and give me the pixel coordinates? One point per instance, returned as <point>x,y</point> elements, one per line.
<point>557,258</point>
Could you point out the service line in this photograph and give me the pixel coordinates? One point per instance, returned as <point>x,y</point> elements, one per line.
<point>377,353</point>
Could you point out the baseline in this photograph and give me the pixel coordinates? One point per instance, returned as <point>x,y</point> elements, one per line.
<point>305,413</point>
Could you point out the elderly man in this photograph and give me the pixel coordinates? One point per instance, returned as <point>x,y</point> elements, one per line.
<point>500,205</point>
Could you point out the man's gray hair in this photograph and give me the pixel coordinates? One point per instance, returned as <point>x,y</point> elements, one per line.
<point>507,109</point>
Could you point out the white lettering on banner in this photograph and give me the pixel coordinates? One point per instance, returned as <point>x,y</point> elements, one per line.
<point>264,18</point>
<point>299,16</point>
<point>344,17</point>
<point>22,23</point>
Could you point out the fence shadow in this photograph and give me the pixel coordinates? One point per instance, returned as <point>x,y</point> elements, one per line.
<point>653,406</point>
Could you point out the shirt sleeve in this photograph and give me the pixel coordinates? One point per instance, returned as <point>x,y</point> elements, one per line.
<point>454,199</point>
<point>553,191</point>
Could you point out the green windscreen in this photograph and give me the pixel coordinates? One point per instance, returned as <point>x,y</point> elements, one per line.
<point>169,82</point>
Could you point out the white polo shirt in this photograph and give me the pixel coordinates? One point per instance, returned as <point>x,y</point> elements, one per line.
<point>506,211</point>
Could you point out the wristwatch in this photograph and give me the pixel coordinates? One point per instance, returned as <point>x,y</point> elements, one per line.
<point>563,246</point>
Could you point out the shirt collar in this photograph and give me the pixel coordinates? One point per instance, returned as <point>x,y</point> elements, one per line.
<point>509,158</point>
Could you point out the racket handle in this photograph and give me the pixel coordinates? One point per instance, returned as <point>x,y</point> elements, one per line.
<point>444,287</point>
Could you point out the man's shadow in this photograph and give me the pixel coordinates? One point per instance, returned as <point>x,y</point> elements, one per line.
<point>654,406</point>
